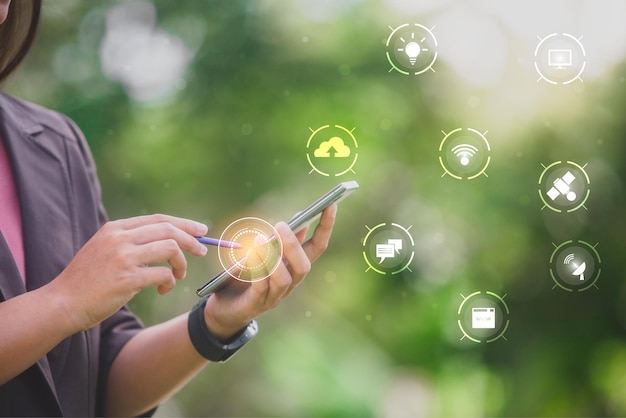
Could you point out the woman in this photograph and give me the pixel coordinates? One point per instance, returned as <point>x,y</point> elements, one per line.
<point>69,345</point>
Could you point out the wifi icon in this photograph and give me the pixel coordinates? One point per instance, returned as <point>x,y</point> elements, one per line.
<point>568,259</point>
<point>464,152</point>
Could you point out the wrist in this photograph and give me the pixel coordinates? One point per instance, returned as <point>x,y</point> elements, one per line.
<point>66,314</point>
<point>206,344</point>
<point>219,329</point>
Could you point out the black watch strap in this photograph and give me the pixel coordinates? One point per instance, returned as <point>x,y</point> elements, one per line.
<point>206,344</point>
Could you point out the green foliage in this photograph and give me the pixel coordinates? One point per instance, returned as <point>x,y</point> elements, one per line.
<point>229,141</point>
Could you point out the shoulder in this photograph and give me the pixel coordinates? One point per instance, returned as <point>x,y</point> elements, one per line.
<point>30,117</point>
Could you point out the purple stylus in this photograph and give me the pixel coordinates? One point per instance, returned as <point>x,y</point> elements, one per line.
<point>218,243</point>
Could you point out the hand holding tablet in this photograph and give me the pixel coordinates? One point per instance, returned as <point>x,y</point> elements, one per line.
<point>267,247</point>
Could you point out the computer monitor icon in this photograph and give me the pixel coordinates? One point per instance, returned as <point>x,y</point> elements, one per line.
<point>560,58</point>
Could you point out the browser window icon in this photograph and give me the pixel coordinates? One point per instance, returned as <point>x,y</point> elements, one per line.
<point>483,318</point>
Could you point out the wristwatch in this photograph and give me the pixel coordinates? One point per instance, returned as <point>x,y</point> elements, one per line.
<point>207,345</point>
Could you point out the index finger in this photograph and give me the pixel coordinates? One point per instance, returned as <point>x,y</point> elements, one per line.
<point>191,227</point>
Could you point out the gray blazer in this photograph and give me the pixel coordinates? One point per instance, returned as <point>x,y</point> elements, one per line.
<point>61,209</point>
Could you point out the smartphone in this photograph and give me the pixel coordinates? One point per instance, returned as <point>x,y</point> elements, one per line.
<point>299,221</point>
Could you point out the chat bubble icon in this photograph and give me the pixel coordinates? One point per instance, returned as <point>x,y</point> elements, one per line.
<point>384,251</point>
<point>397,244</point>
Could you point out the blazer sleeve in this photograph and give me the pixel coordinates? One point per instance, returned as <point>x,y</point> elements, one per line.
<point>115,332</point>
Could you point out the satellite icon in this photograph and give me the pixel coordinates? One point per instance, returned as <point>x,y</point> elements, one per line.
<point>564,186</point>
<point>464,152</point>
<point>579,270</point>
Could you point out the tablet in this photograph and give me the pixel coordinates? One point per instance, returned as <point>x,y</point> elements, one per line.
<point>299,221</point>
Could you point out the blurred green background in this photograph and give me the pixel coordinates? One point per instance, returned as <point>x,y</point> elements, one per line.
<point>202,109</point>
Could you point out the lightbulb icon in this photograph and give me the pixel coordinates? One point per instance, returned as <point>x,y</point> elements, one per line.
<point>412,50</point>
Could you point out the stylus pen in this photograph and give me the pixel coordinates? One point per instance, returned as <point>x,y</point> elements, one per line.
<point>218,243</point>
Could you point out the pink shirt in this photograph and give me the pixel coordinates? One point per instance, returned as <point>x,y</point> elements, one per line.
<point>10,217</point>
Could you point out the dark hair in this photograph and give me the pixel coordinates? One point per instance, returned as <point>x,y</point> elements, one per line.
<point>17,34</point>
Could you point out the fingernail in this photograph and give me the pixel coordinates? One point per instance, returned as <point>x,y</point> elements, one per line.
<point>201,228</point>
<point>282,227</point>
<point>260,240</point>
<point>203,250</point>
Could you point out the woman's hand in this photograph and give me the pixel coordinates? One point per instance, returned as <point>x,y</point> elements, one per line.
<point>231,309</point>
<point>160,359</point>
<point>114,265</point>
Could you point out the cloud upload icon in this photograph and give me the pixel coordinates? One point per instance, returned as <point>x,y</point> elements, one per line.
<point>336,144</point>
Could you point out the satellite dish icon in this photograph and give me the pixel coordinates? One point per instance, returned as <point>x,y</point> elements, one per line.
<point>579,270</point>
